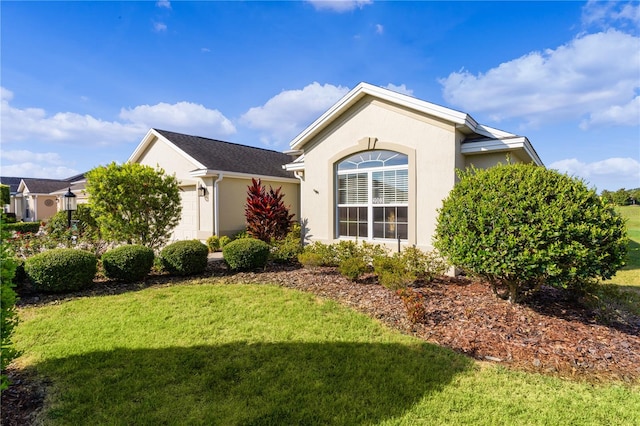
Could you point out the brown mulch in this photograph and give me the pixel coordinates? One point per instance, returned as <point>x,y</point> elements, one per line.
<point>549,333</point>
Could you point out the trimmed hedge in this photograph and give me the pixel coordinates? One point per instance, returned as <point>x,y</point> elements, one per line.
<point>23,227</point>
<point>184,257</point>
<point>246,254</point>
<point>61,270</point>
<point>128,263</point>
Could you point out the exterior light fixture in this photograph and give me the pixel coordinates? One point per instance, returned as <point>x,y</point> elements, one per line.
<point>202,190</point>
<point>69,204</point>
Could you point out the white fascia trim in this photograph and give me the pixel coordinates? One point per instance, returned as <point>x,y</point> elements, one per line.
<point>211,173</point>
<point>363,89</point>
<point>294,167</point>
<point>492,132</point>
<point>497,145</point>
<point>142,146</point>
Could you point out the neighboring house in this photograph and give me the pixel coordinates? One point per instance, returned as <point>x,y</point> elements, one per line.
<point>35,199</point>
<point>377,165</point>
<point>213,176</point>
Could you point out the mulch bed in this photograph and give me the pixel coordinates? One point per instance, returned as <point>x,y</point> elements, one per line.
<point>549,333</point>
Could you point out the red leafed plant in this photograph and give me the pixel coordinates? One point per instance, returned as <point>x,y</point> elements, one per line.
<point>267,216</point>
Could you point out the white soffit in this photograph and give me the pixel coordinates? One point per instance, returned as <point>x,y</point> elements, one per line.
<point>500,145</point>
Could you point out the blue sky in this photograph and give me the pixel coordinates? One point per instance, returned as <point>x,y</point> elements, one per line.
<point>82,82</point>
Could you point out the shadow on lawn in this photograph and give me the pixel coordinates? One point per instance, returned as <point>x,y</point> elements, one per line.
<point>249,384</point>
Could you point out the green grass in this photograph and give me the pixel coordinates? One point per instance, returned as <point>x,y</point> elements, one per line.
<point>254,355</point>
<point>628,278</point>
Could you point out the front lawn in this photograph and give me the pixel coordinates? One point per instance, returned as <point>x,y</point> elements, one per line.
<point>629,276</point>
<point>206,353</point>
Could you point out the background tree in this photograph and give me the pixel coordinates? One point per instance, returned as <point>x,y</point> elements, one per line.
<point>520,226</point>
<point>620,197</point>
<point>134,203</point>
<point>5,194</point>
<point>267,216</point>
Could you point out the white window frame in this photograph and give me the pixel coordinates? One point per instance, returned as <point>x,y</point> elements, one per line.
<point>370,205</point>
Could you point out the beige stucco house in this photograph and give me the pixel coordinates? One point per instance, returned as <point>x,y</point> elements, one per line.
<point>377,165</point>
<point>213,176</point>
<point>36,199</point>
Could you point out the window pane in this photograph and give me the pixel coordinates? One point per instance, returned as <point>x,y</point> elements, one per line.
<point>362,229</point>
<point>402,214</point>
<point>378,230</point>
<point>363,214</point>
<point>402,232</point>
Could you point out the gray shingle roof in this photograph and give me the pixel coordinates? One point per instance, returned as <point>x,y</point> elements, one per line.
<point>231,157</point>
<point>12,181</point>
<point>44,186</point>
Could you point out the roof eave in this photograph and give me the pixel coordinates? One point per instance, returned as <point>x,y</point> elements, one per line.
<point>501,145</point>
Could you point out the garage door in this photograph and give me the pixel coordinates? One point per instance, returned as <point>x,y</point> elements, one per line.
<point>187,228</point>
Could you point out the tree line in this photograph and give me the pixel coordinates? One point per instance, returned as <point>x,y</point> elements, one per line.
<point>622,197</point>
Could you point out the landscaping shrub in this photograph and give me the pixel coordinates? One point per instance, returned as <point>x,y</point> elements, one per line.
<point>224,240</point>
<point>353,267</point>
<point>23,227</point>
<point>288,248</point>
<point>213,243</point>
<point>61,270</point>
<point>520,226</point>
<point>184,257</point>
<point>414,304</point>
<point>267,216</point>
<point>309,259</point>
<point>128,263</point>
<point>423,265</point>
<point>334,254</point>
<point>8,314</point>
<point>392,272</point>
<point>84,233</point>
<point>246,254</point>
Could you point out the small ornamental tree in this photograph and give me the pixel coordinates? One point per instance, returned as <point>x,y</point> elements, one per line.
<point>5,194</point>
<point>267,216</point>
<point>520,226</point>
<point>134,203</point>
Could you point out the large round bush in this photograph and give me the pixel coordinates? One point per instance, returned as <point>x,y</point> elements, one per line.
<point>521,226</point>
<point>184,257</point>
<point>246,254</point>
<point>128,263</point>
<point>61,270</point>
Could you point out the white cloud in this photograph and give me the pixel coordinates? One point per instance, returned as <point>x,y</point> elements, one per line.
<point>625,115</point>
<point>400,89</point>
<point>35,164</point>
<point>34,124</point>
<point>379,29</point>
<point>589,76</point>
<point>339,6</point>
<point>163,4</point>
<point>159,26</point>
<point>181,116</point>
<point>612,173</point>
<point>604,14</point>
<point>287,113</point>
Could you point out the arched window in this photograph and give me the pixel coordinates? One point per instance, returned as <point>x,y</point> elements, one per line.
<point>373,195</point>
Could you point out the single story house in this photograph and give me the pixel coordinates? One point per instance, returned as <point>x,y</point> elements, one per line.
<point>213,176</point>
<point>36,199</point>
<point>374,167</point>
<point>377,165</point>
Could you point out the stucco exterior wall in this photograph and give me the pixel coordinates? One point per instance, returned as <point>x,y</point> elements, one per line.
<point>160,154</point>
<point>233,196</point>
<point>484,161</point>
<point>430,144</point>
